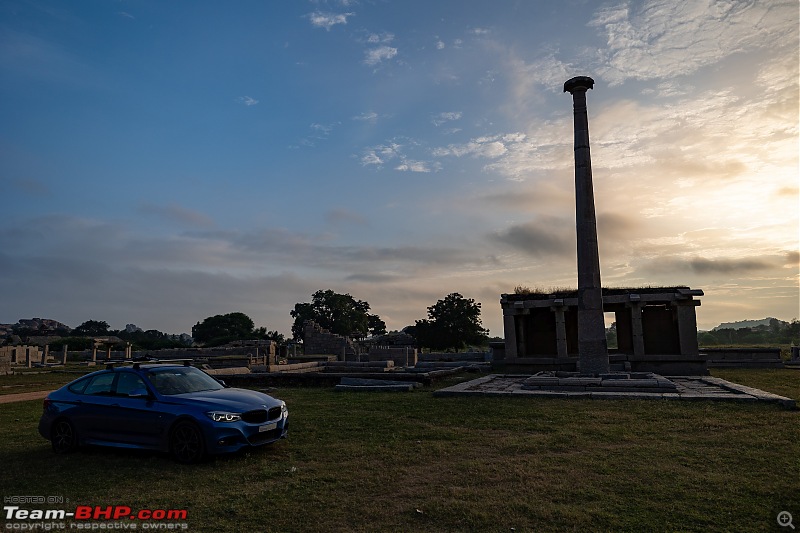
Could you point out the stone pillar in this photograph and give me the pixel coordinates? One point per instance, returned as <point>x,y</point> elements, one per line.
<point>108,352</point>
<point>46,354</point>
<point>27,357</point>
<point>94,353</point>
<point>128,350</point>
<point>638,330</point>
<point>510,333</point>
<point>64,356</point>
<point>522,342</point>
<point>592,347</point>
<point>687,327</point>
<point>561,332</point>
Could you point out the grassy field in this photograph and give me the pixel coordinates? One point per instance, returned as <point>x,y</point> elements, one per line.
<point>412,462</point>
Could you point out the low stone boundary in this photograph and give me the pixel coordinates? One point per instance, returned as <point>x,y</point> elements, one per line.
<point>452,357</point>
<point>375,385</point>
<point>295,367</point>
<point>454,364</point>
<point>743,357</point>
<point>228,371</point>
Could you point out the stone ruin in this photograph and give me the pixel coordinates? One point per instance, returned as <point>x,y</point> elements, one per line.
<point>656,330</point>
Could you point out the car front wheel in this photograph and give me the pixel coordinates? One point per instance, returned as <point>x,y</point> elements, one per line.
<point>63,436</point>
<point>186,443</point>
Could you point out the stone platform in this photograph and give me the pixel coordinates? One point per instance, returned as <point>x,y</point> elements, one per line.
<point>614,386</point>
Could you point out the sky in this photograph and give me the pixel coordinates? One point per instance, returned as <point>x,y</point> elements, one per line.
<point>163,162</point>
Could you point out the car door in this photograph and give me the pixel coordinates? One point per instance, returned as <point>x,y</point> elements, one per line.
<point>137,420</point>
<point>93,414</point>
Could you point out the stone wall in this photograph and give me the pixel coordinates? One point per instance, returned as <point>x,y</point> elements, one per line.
<point>18,355</point>
<point>5,362</point>
<point>400,356</point>
<point>321,341</point>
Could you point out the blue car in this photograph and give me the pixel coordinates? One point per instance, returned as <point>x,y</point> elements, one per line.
<point>173,408</point>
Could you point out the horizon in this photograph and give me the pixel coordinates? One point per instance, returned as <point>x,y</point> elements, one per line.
<point>163,163</point>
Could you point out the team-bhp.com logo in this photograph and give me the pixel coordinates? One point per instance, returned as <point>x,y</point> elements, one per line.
<point>87,517</point>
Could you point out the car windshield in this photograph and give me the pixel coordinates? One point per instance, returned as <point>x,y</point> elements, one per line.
<point>181,380</point>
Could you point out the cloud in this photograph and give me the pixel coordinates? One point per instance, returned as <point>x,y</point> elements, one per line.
<point>546,236</point>
<point>710,267</point>
<point>544,197</point>
<point>491,147</point>
<point>246,100</point>
<point>441,118</point>
<point>380,38</point>
<point>344,216</point>
<point>664,39</point>
<point>440,45</point>
<point>328,20</point>
<point>176,213</point>
<point>369,116</point>
<point>126,15</point>
<point>375,56</point>
<point>373,277</point>
<point>318,132</point>
<point>407,165</point>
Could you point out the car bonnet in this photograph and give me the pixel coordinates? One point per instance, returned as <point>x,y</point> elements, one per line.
<point>238,400</point>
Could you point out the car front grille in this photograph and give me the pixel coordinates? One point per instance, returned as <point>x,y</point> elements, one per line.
<point>259,416</point>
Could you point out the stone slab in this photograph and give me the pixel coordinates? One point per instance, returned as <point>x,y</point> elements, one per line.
<point>685,388</point>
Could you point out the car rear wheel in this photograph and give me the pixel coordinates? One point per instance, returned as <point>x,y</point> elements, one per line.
<point>63,436</point>
<point>186,443</point>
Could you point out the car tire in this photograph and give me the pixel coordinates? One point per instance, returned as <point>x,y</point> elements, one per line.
<point>186,444</point>
<point>63,436</point>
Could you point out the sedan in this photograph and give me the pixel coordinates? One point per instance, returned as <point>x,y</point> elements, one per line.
<point>174,408</point>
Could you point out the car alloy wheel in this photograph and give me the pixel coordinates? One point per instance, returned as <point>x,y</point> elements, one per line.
<point>186,443</point>
<point>63,436</point>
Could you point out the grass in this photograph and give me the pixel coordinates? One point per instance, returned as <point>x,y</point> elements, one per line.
<point>412,462</point>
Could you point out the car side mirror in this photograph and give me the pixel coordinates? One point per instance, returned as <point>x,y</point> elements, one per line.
<point>139,393</point>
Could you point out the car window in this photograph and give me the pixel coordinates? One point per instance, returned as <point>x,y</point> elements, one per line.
<point>128,382</point>
<point>100,385</point>
<point>181,380</point>
<point>78,386</point>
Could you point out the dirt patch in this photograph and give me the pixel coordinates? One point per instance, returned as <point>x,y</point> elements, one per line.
<point>24,396</point>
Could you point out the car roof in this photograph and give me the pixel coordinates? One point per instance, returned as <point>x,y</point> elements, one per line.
<point>147,364</point>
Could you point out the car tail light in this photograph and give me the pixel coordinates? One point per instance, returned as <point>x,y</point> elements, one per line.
<point>46,404</point>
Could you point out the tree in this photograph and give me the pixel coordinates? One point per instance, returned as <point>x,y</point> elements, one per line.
<point>220,329</point>
<point>91,328</point>
<point>453,322</point>
<point>338,313</point>
<point>263,333</point>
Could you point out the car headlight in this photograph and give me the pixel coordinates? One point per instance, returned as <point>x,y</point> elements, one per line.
<point>224,416</point>
<point>284,410</point>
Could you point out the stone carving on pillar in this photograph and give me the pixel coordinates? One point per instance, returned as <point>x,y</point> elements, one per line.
<point>592,348</point>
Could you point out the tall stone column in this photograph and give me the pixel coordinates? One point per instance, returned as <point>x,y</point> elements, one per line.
<point>592,348</point>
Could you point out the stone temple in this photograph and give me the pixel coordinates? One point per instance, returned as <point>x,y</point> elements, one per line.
<point>656,330</point>
<point>656,327</point>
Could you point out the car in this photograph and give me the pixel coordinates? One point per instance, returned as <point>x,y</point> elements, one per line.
<point>170,406</point>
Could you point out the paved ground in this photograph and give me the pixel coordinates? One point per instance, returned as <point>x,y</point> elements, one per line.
<point>686,388</point>
<point>23,396</point>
